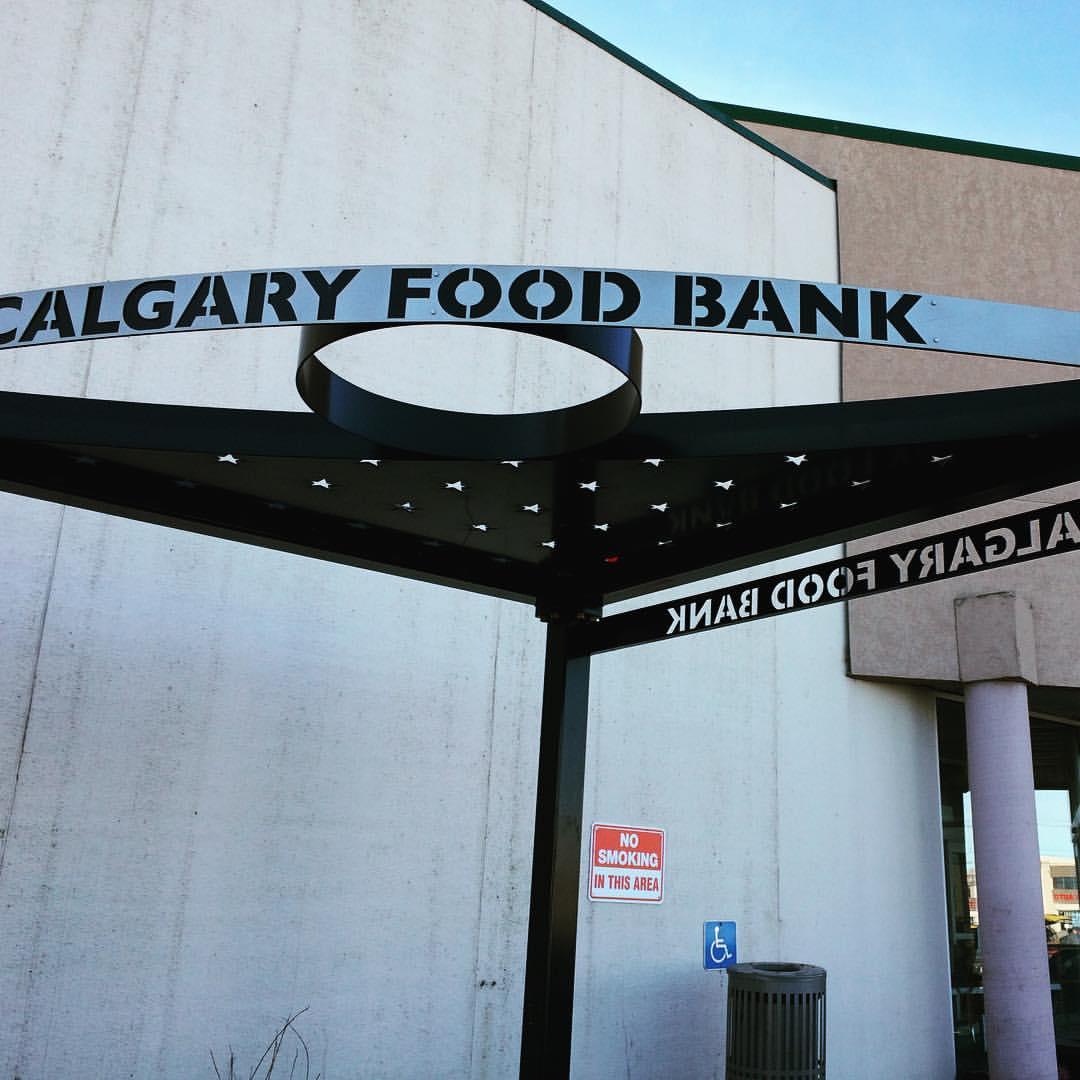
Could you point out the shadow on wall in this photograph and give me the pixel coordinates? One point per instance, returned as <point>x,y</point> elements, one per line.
<point>669,1025</point>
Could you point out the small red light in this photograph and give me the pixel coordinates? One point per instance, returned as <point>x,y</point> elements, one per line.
<point>611,558</point>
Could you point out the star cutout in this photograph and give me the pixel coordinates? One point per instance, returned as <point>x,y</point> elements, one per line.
<point>480,527</point>
<point>725,484</point>
<point>859,483</point>
<point>228,459</point>
<point>547,543</point>
<point>937,460</point>
<point>588,485</point>
<point>655,462</point>
<point>512,464</point>
<point>658,506</point>
<point>602,527</point>
<point>795,459</point>
<point>323,483</point>
<point>370,461</point>
<point>532,508</point>
<point>786,506</point>
<point>457,485</point>
<point>406,506</point>
<point>662,543</point>
<point>722,524</point>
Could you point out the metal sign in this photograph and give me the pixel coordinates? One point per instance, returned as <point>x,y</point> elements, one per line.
<point>627,864</point>
<point>1048,530</point>
<point>720,951</point>
<point>537,296</point>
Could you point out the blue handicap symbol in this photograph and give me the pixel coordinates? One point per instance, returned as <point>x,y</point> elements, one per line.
<point>719,945</point>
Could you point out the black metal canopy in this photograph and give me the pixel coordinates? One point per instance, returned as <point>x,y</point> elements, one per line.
<point>569,510</point>
<point>674,498</point>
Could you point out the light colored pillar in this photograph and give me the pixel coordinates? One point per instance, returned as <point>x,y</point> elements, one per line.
<point>996,646</point>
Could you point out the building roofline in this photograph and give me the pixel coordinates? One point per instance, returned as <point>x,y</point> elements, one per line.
<point>943,144</point>
<point>713,112</point>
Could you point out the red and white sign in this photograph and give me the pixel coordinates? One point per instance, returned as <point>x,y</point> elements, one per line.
<point>627,864</point>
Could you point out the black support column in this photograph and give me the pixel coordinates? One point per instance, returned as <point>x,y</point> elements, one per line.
<point>549,966</point>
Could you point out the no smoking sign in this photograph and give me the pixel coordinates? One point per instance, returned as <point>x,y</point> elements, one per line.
<point>627,864</point>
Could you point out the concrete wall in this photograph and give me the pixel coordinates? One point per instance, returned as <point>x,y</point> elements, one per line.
<point>775,778</point>
<point>235,783</point>
<point>963,225</point>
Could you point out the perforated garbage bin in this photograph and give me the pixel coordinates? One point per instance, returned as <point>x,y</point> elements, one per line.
<point>776,1022</point>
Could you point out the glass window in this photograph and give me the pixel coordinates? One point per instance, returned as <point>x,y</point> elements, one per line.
<point>1055,750</point>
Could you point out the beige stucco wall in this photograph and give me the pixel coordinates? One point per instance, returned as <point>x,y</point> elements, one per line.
<point>962,225</point>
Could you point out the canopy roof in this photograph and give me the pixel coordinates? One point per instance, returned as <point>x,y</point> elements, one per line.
<point>676,497</point>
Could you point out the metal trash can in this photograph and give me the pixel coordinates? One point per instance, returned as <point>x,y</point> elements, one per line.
<point>776,1022</point>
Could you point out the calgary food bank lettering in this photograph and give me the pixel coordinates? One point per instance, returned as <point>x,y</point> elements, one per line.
<point>613,296</point>
<point>161,304</point>
<point>996,543</point>
<point>468,293</point>
<point>508,295</point>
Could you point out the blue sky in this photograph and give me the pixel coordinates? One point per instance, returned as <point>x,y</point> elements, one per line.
<point>1052,815</point>
<point>1055,834</point>
<point>974,69</point>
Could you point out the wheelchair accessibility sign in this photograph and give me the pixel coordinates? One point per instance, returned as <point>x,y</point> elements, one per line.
<point>719,945</point>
